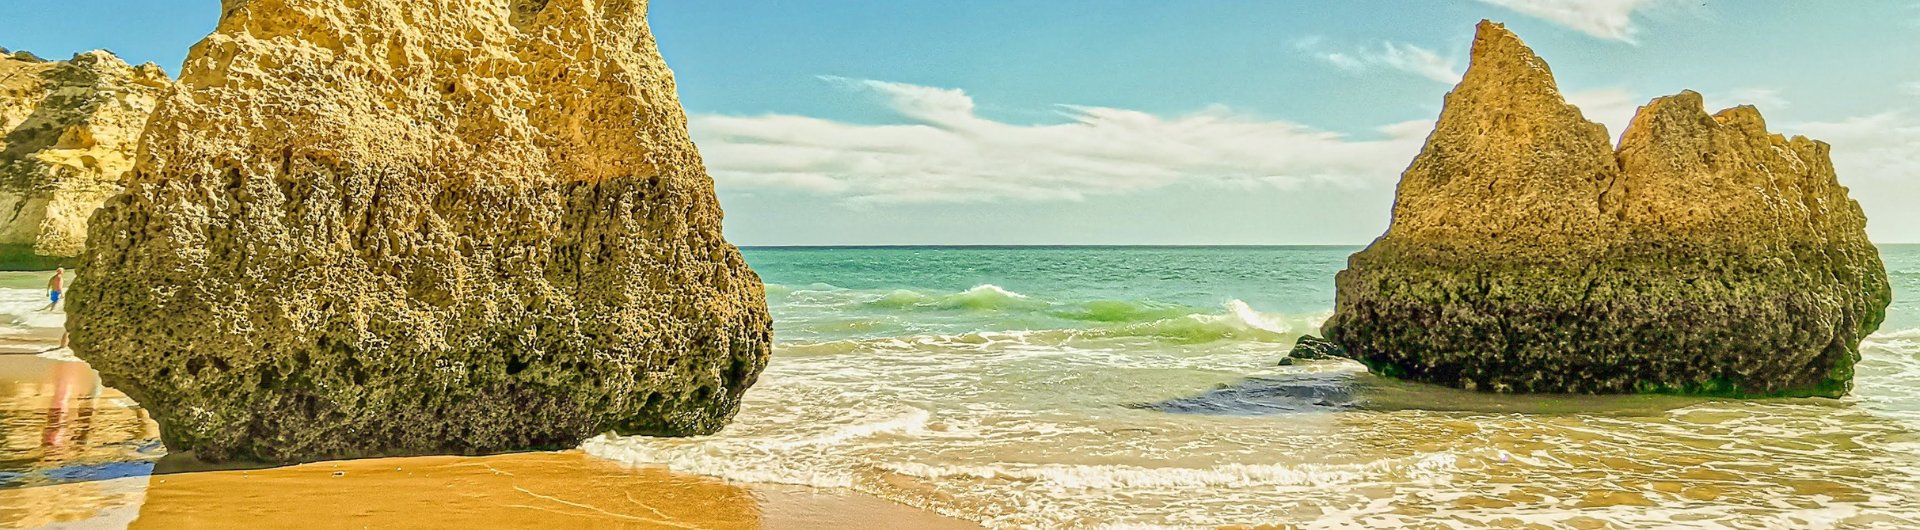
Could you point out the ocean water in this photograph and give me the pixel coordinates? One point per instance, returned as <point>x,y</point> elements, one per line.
<point>1139,388</point>
<point>23,303</point>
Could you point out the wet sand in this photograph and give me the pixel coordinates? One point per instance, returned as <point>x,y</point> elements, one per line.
<point>558,490</point>
<point>79,455</point>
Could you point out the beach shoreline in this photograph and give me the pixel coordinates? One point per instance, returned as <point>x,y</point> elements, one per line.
<point>81,455</point>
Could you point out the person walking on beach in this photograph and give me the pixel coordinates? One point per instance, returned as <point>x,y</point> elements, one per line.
<point>56,286</point>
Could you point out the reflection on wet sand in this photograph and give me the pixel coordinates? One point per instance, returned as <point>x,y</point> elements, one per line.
<point>64,440</point>
<point>58,424</point>
<point>97,504</point>
<point>560,490</point>
<point>556,490</point>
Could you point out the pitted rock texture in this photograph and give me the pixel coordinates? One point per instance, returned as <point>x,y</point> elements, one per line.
<point>71,131</point>
<point>390,227</point>
<point>1527,254</point>
<point>1311,348</point>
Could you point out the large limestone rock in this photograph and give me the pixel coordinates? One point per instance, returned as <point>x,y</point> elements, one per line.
<point>1527,254</point>
<point>71,130</point>
<point>391,227</point>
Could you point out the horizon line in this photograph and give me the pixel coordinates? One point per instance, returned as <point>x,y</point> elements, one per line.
<point>1033,246</point>
<point>1096,245</point>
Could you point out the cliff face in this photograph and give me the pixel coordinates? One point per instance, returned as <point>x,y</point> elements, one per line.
<point>1527,254</point>
<point>403,227</point>
<point>71,132</point>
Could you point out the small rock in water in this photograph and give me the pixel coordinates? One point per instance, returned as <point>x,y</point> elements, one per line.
<point>1311,348</point>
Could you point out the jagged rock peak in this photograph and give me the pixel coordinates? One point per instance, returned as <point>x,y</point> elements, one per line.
<point>1481,178</point>
<point>1709,178</point>
<point>1499,54</point>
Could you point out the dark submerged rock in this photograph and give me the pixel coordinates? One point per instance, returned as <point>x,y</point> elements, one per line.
<point>1343,390</point>
<point>1325,392</point>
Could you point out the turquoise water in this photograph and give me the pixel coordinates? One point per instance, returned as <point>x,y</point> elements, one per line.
<point>837,294</point>
<point>1026,388</point>
<point>1903,268</point>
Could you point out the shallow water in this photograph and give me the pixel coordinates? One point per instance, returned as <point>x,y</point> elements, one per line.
<point>1062,388</point>
<point>1109,388</point>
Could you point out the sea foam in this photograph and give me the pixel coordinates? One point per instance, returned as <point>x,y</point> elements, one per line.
<point>23,311</point>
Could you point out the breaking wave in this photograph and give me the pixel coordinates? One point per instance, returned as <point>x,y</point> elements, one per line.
<point>982,298</point>
<point>1008,396</point>
<point>989,312</point>
<point>1122,477</point>
<point>22,311</point>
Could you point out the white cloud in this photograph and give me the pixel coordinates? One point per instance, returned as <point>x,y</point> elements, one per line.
<point>945,152</point>
<point>1410,58</point>
<point>1764,98</point>
<point>1393,55</point>
<point>1913,89</point>
<point>1606,19</point>
<point>1878,156</point>
<point>1883,147</point>
<point>1613,107</point>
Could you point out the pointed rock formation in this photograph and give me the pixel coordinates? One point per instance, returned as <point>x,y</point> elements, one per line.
<point>391,227</point>
<point>71,130</point>
<point>1509,162</point>
<point>1526,254</point>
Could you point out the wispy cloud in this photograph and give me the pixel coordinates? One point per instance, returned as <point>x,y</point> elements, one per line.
<point>1391,55</point>
<point>1878,156</point>
<point>1764,98</point>
<point>1882,147</point>
<point>1610,106</point>
<point>1606,19</point>
<point>1913,89</point>
<point>945,152</point>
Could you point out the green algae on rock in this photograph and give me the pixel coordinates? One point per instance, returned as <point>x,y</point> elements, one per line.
<point>69,131</point>
<point>387,228</point>
<point>1527,254</point>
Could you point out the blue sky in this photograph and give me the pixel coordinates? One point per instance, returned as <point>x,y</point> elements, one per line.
<point>1155,122</point>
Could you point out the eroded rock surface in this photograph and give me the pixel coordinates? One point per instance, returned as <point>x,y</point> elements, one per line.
<point>1311,348</point>
<point>71,131</point>
<point>405,227</point>
<point>1527,254</point>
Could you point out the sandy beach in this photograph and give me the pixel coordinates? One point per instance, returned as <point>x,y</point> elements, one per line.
<point>80,455</point>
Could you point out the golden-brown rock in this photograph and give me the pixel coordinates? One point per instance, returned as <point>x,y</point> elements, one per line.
<point>71,130</point>
<point>391,227</point>
<point>1526,254</point>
